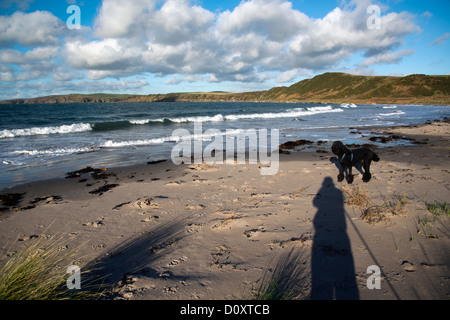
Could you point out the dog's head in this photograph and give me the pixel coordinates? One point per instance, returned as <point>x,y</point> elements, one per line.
<point>337,147</point>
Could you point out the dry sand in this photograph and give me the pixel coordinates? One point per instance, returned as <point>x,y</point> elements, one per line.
<point>218,231</point>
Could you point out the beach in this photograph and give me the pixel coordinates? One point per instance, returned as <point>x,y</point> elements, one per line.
<point>223,231</point>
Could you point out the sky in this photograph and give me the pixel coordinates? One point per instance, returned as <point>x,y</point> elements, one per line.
<point>155,46</point>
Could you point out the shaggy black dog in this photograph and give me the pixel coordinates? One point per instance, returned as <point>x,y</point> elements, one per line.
<point>349,158</point>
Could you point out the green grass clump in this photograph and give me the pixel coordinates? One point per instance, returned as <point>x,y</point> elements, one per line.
<point>38,272</point>
<point>284,281</point>
<point>439,209</point>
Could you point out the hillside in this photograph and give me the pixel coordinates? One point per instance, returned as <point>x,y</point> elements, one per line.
<point>341,87</point>
<point>328,87</point>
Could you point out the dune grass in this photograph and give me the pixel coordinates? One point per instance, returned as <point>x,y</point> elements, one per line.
<point>438,210</point>
<point>284,277</point>
<point>393,205</point>
<point>38,272</point>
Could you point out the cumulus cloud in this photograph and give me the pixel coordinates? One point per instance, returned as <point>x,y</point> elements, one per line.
<point>276,20</point>
<point>256,40</point>
<point>35,28</point>
<point>118,18</point>
<point>256,36</point>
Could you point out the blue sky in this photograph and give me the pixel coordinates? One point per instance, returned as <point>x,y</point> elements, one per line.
<point>153,46</point>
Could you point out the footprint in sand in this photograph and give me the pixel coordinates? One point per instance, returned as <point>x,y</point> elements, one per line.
<point>150,219</point>
<point>26,238</point>
<point>199,180</point>
<point>254,232</point>
<point>224,222</point>
<point>170,290</point>
<point>144,203</point>
<point>174,183</point>
<point>194,227</point>
<point>220,257</point>
<point>194,207</point>
<point>95,224</point>
<point>175,262</point>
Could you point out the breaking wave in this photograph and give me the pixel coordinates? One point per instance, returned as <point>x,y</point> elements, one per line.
<point>395,113</point>
<point>56,151</point>
<point>63,129</point>
<point>126,124</point>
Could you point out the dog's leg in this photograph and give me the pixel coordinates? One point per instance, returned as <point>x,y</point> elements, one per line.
<point>341,173</point>
<point>367,175</point>
<point>350,175</point>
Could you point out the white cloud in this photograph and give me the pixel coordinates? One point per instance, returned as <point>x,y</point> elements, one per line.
<point>33,64</point>
<point>441,39</point>
<point>275,19</point>
<point>290,75</point>
<point>257,36</point>
<point>387,57</point>
<point>119,18</point>
<point>35,28</point>
<point>256,40</point>
<point>177,22</point>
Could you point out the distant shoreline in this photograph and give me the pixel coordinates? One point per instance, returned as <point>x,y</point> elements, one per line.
<point>325,88</point>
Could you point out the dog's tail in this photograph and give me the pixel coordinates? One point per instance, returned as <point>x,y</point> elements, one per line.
<point>375,157</point>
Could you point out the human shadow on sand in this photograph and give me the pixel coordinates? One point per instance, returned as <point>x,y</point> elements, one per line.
<point>332,266</point>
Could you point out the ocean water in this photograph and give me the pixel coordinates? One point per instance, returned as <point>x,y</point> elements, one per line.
<point>47,140</point>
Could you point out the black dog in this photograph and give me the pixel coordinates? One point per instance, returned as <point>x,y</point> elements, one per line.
<point>349,158</point>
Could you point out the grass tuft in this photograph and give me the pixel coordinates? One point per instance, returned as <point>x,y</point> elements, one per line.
<point>426,224</point>
<point>439,209</point>
<point>370,212</point>
<point>38,272</point>
<point>284,278</point>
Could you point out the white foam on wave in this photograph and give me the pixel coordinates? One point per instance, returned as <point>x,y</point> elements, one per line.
<point>395,113</point>
<point>129,143</point>
<point>290,113</point>
<point>204,136</point>
<point>143,121</point>
<point>63,129</point>
<point>55,151</point>
<point>348,105</point>
<point>216,118</point>
<point>296,112</point>
<point>390,107</point>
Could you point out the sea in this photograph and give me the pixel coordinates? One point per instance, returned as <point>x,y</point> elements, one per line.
<point>43,141</point>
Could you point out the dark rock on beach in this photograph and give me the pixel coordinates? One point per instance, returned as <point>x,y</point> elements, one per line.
<point>97,174</point>
<point>10,199</point>
<point>293,144</point>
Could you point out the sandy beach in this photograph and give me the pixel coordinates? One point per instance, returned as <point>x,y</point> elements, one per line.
<point>199,231</point>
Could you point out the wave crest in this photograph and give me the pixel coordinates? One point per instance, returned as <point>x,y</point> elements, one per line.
<point>63,129</point>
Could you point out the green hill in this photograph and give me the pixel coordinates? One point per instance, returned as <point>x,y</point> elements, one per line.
<point>328,87</point>
<point>342,87</point>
